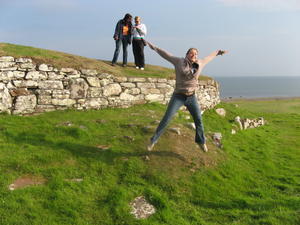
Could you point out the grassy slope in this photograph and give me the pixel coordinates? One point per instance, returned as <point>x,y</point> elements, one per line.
<point>253,180</point>
<point>60,60</point>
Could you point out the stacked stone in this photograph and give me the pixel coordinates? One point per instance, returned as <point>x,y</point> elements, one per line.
<point>27,88</point>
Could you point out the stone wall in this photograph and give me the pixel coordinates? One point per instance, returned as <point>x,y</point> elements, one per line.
<point>27,88</point>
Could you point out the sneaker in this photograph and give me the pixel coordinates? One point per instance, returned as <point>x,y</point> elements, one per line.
<point>113,64</point>
<point>150,146</point>
<point>203,147</point>
<point>142,68</point>
<point>137,67</point>
<point>124,65</point>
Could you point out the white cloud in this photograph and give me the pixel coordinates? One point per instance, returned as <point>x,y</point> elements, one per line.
<point>265,5</point>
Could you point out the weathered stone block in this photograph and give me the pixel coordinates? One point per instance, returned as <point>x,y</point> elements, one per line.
<point>95,103</point>
<point>162,80</point>
<point>152,80</point>
<point>7,64</point>
<point>50,84</point>
<point>120,79</point>
<point>93,81</point>
<point>105,82</point>
<point>154,97</point>
<point>63,102</point>
<point>23,60</point>
<point>150,91</point>
<point>70,71</point>
<point>25,104</point>
<point>27,66</point>
<point>132,91</point>
<point>7,59</point>
<point>36,75</point>
<point>145,85</point>
<point>5,99</point>
<point>136,79</point>
<point>25,83</point>
<point>61,94</point>
<point>45,68</point>
<point>94,92</point>
<point>55,76</point>
<point>128,85</point>
<point>44,100</point>
<point>112,89</point>
<point>78,88</point>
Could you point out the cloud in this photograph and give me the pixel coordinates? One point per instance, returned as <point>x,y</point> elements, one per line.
<point>265,5</point>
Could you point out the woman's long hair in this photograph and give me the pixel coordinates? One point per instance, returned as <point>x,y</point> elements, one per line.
<point>127,21</point>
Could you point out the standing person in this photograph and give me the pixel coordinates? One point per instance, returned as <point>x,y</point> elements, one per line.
<point>138,43</point>
<point>188,70</point>
<point>122,35</point>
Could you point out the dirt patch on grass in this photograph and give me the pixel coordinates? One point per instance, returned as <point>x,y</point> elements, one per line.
<point>26,181</point>
<point>178,153</point>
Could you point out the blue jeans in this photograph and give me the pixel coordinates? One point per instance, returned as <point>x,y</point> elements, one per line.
<point>124,41</point>
<point>175,103</point>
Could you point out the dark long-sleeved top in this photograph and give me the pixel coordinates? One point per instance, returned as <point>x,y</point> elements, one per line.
<point>119,31</point>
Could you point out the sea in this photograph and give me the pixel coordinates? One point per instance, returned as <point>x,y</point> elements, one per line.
<point>259,87</point>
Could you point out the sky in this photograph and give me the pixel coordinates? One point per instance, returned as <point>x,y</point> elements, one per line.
<point>262,36</point>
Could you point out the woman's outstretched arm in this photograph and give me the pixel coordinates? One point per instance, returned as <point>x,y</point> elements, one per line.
<point>213,55</point>
<point>169,57</point>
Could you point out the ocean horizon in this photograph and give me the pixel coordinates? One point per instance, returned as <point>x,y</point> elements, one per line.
<point>259,86</point>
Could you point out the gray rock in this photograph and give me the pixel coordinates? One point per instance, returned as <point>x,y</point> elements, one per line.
<point>217,139</point>
<point>175,130</point>
<point>238,120</point>
<point>112,89</point>
<point>220,111</point>
<point>93,81</point>
<point>94,92</point>
<point>136,79</point>
<point>25,83</point>
<point>5,99</point>
<point>191,125</point>
<point>78,88</point>
<point>7,59</point>
<point>25,104</point>
<point>63,102</point>
<point>45,68</point>
<point>154,97</point>
<point>51,84</point>
<point>141,209</point>
<point>23,60</point>
<point>36,75</point>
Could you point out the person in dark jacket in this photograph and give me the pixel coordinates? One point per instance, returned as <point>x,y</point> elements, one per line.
<point>122,35</point>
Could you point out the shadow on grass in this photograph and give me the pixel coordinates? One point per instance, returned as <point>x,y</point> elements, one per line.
<point>107,156</point>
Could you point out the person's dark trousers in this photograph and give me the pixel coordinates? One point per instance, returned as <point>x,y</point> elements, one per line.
<point>124,42</point>
<point>176,101</point>
<point>138,52</point>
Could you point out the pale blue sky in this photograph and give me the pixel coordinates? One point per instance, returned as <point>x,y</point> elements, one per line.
<point>263,36</point>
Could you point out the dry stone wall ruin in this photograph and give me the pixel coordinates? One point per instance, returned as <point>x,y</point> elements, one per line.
<point>27,88</point>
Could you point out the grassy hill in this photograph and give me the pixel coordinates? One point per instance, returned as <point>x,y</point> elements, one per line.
<point>254,179</point>
<point>64,60</point>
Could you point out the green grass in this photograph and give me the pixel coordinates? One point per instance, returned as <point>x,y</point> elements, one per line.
<point>254,179</point>
<point>64,60</point>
